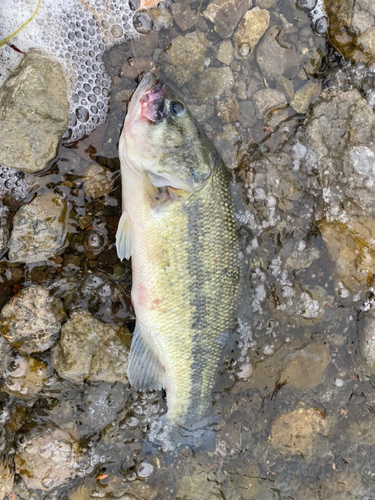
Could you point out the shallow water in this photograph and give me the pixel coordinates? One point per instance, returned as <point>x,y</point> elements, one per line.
<point>295,396</point>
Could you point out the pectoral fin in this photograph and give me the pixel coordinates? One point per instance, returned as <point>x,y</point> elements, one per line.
<point>123,237</point>
<point>145,371</point>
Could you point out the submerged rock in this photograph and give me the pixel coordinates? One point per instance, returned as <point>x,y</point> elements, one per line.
<point>33,113</point>
<point>305,96</point>
<point>6,479</point>
<point>276,57</point>
<point>267,100</point>
<point>226,14</point>
<point>31,321</point>
<point>40,229</point>
<point>98,181</point>
<point>227,109</point>
<point>301,431</point>
<point>46,456</point>
<point>184,57</point>
<point>251,28</point>
<point>212,82</point>
<point>25,377</point>
<point>183,16</point>
<point>91,350</point>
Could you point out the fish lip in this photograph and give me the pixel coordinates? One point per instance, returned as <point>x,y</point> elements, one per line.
<point>148,100</point>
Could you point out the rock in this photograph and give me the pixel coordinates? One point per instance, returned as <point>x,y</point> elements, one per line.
<point>201,113</point>
<point>266,4</point>
<point>300,432</point>
<point>226,14</point>
<point>162,17</point>
<point>183,16</point>
<point>31,321</point>
<point>366,42</point>
<point>33,113</point>
<point>227,109</point>
<point>240,90</point>
<point>101,404</point>
<point>366,331</point>
<point>246,114</point>
<point>251,28</point>
<point>6,479</point>
<point>285,86</point>
<point>98,181</point>
<point>305,96</point>
<point>224,52</point>
<point>228,145</point>
<point>304,368</point>
<point>212,82</point>
<point>267,100</point>
<point>40,229</point>
<point>91,350</point>
<point>5,355</point>
<point>241,480</point>
<point>276,57</point>
<point>144,46</point>
<point>46,456</point>
<point>25,377</point>
<point>134,66</point>
<point>184,57</point>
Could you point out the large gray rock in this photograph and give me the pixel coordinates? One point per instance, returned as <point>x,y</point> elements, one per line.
<point>33,113</point>
<point>40,229</point>
<point>91,350</point>
<point>31,321</point>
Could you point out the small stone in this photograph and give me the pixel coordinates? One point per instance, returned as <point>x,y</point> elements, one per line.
<point>339,382</point>
<point>32,320</point>
<point>212,82</point>
<point>25,377</point>
<point>184,57</point>
<point>285,86</point>
<point>183,16</point>
<point>251,28</point>
<point>6,479</point>
<point>227,109</point>
<point>162,17</point>
<point>300,432</point>
<point>224,52</point>
<point>98,181</point>
<point>145,469</point>
<point>266,4</point>
<point>226,14</point>
<point>40,229</point>
<point>85,221</point>
<point>246,114</point>
<point>46,457</point>
<point>267,100</point>
<point>91,350</point>
<point>34,113</point>
<point>366,42</point>
<point>240,90</point>
<point>305,96</point>
<point>245,371</point>
<point>201,113</point>
<point>228,144</point>
<point>275,56</point>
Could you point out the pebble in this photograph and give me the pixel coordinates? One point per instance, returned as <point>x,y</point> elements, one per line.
<point>285,86</point>
<point>91,350</point>
<point>226,14</point>
<point>40,229</point>
<point>305,96</point>
<point>251,28</point>
<point>6,479</point>
<point>227,143</point>
<point>227,109</point>
<point>201,113</point>
<point>212,82</point>
<point>144,469</point>
<point>183,16</point>
<point>32,320</point>
<point>267,100</point>
<point>98,181</point>
<point>246,114</point>
<point>224,52</point>
<point>184,57</point>
<point>25,377</point>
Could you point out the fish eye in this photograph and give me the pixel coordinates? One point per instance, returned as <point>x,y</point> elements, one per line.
<point>177,108</point>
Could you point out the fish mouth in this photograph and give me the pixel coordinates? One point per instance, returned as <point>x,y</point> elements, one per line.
<point>148,101</point>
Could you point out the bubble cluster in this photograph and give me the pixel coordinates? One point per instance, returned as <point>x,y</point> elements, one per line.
<point>13,183</point>
<point>315,10</point>
<point>76,33</point>
<point>357,76</point>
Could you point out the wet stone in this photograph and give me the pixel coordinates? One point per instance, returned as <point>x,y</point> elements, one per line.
<point>266,4</point>
<point>251,28</point>
<point>46,456</point>
<point>276,57</point>
<point>304,368</point>
<point>212,82</point>
<point>98,181</point>
<point>6,479</point>
<point>226,14</point>
<point>184,57</point>
<point>33,113</point>
<point>302,431</point>
<point>25,376</point>
<point>40,229</point>
<point>305,96</point>
<point>366,332</point>
<point>227,109</point>
<point>91,350</point>
<point>267,100</point>
<point>224,52</point>
<point>183,16</point>
<point>246,114</point>
<point>201,113</point>
<point>285,86</point>
<point>228,144</point>
<point>31,321</point>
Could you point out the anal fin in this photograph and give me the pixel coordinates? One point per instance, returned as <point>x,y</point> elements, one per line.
<point>123,237</point>
<point>145,371</point>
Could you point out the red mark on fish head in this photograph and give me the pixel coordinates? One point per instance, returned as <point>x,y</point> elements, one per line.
<point>153,103</point>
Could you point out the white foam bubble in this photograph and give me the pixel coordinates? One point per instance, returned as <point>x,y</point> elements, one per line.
<point>76,33</point>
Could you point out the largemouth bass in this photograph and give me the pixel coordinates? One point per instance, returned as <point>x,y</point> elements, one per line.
<point>178,227</point>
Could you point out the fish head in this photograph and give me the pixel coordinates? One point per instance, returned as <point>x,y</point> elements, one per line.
<point>161,137</point>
